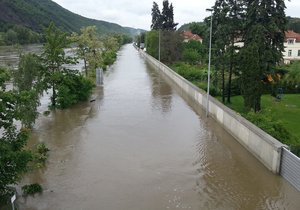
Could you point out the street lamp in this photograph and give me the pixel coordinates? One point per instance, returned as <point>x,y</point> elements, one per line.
<point>159,45</point>
<point>209,61</point>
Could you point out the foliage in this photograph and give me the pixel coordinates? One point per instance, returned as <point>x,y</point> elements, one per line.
<point>285,112</point>
<point>228,18</point>
<point>28,77</point>
<point>72,88</point>
<point>21,35</point>
<point>152,43</point>
<point>32,189</point>
<point>54,58</point>
<point>88,47</point>
<point>14,158</point>
<point>156,17</point>
<point>263,45</point>
<point>193,52</point>
<point>294,24</point>
<point>291,79</point>
<point>163,20</point>
<point>167,17</point>
<point>190,72</point>
<point>272,126</point>
<point>40,155</point>
<point>171,46</point>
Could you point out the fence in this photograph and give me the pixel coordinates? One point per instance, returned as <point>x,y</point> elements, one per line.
<point>290,168</point>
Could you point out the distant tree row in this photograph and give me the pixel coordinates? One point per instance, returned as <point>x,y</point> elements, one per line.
<point>20,35</point>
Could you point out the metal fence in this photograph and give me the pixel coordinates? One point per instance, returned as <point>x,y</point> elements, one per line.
<point>290,168</point>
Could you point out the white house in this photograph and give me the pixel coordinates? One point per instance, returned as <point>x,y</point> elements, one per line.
<point>292,47</point>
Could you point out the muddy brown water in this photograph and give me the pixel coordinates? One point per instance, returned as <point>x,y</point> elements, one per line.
<point>141,146</point>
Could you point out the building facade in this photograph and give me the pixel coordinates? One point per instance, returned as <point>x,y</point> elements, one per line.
<point>291,47</point>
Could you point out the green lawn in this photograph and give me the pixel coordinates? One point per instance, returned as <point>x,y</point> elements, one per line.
<point>287,110</point>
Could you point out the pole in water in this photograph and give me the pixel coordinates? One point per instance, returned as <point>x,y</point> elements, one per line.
<point>99,76</point>
<point>13,198</point>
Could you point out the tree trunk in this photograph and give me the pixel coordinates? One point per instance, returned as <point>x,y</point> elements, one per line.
<point>53,95</point>
<point>230,70</point>
<point>223,83</point>
<point>85,68</point>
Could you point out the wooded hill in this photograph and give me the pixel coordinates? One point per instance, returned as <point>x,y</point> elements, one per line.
<point>37,14</point>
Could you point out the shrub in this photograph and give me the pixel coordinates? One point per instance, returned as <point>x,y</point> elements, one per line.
<point>272,126</point>
<point>32,189</point>
<point>72,89</point>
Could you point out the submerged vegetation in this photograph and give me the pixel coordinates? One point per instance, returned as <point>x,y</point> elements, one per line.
<point>35,75</point>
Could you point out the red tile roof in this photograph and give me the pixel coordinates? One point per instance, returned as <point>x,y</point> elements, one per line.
<point>292,35</point>
<point>189,35</point>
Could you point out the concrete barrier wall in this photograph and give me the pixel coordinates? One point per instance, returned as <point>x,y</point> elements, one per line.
<point>263,146</point>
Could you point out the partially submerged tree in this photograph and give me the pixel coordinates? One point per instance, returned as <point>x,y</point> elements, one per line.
<point>89,47</point>
<point>54,59</point>
<point>14,157</point>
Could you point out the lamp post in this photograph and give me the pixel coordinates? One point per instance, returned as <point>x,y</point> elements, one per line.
<point>159,45</point>
<point>209,62</point>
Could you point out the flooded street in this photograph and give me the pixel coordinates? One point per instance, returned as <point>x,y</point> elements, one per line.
<point>140,146</point>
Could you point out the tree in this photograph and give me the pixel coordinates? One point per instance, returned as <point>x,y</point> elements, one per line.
<point>28,78</point>
<point>54,58</point>
<point>156,17</point>
<point>263,46</point>
<point>167,17</point>
<point>14,158</point>
<point>88,47</point>
<point>228,19</point>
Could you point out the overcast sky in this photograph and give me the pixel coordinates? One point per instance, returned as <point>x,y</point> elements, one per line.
<point>137,13</point>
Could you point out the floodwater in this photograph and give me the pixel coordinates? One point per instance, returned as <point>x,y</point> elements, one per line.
<point>9,55</point>
<point>141,146</point>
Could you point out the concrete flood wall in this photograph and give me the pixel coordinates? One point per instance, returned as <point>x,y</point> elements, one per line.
<point>263,146</point>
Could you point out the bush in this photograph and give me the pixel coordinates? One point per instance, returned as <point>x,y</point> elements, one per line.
<point>272,126</point>
<point>191,56</point>
<point>191,73</point>
<point>72,89</point>
<point>32,189</point>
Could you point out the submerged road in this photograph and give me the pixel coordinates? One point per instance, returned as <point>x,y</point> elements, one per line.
<point>141,146</point>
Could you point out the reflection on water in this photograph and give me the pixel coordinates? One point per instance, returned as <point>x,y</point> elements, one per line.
<point>161,92</point>
<point>139,145</point>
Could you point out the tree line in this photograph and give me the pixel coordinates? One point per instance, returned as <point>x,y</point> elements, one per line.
<point>259,25</point>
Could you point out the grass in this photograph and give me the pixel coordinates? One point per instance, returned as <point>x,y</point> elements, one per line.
<point>287,110</point>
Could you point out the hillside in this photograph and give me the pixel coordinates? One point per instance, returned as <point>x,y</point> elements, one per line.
<point>37,14</point>
<point>294,24</point>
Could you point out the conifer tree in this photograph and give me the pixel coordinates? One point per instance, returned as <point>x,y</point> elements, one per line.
<point>263,46</point>
<point>156,17</point>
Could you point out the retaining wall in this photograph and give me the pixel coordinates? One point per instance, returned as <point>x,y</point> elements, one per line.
<point>263,146</point>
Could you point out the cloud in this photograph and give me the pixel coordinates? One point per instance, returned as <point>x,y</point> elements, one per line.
<point>138,13</point>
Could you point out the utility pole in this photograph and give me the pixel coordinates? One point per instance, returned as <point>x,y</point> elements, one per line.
<point>159,45</point>
<point>209,62</point>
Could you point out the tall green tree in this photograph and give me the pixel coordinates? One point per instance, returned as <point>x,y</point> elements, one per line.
<point>89,47</point>
<point>27,78</point>
<point>263,46</point>
<point>167,17</point>
<point>156,17</point>
<point>228,17</point>
<point>54,58</point>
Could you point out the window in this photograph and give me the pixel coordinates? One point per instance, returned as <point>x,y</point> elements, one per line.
<point>290,53</point>
<point>298,53</point>
<point>290,41</point>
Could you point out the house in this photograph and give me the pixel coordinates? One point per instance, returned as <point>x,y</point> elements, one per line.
<point>291,47</point>
<point>188,35</point>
